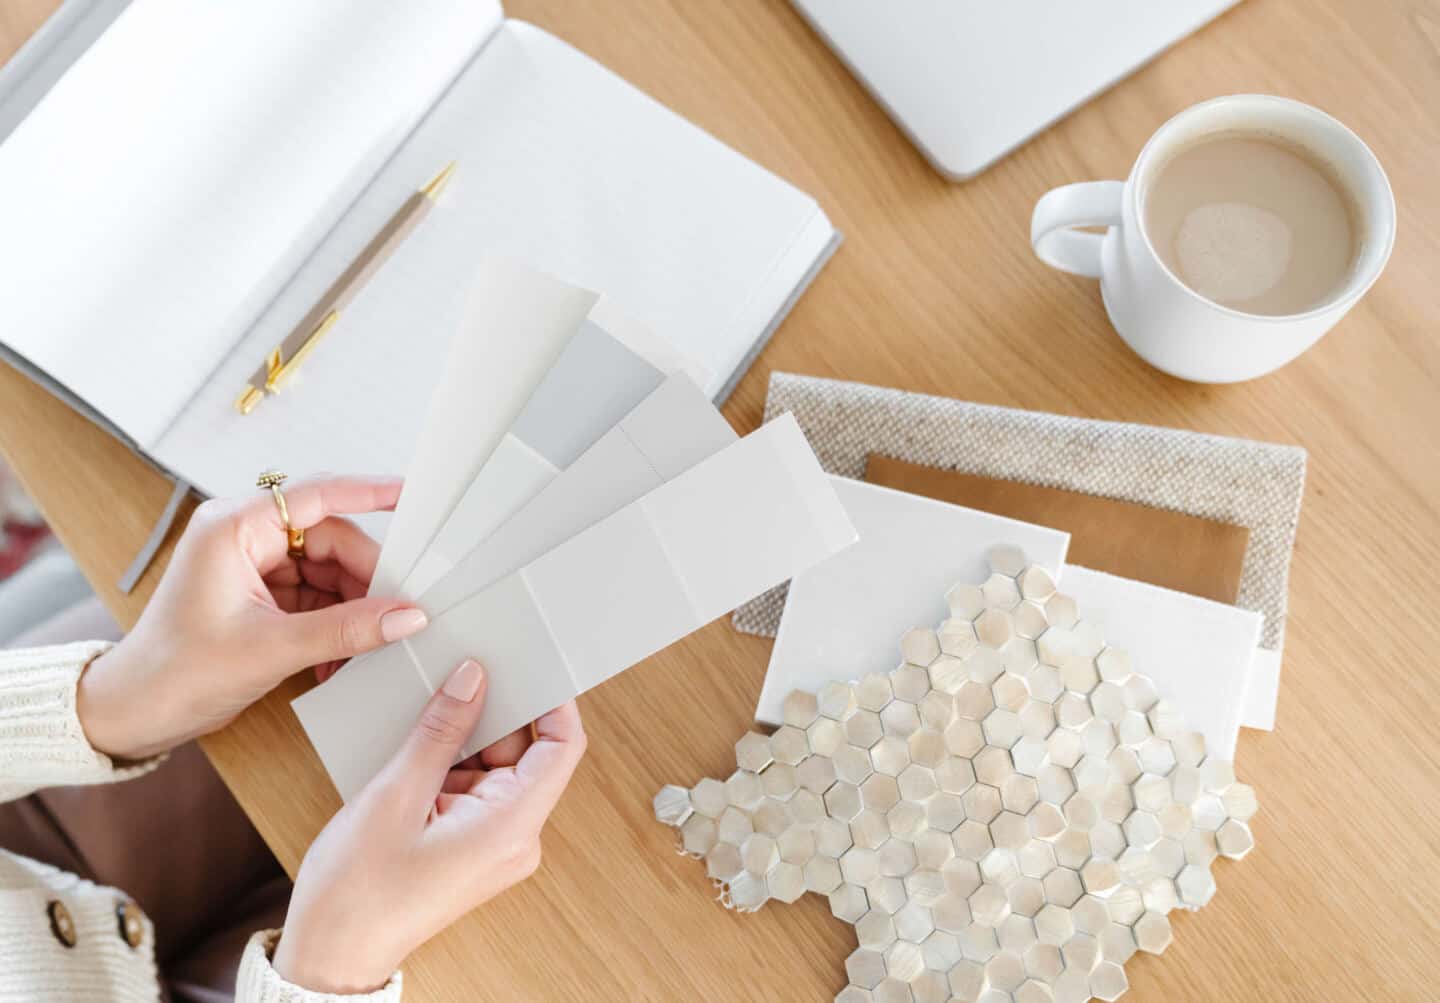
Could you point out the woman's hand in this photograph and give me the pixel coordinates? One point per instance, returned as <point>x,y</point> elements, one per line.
<point>424,844</point>
<point>234,615</point>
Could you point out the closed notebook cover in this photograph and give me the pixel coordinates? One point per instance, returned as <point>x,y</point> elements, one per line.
<point>1170,549</point>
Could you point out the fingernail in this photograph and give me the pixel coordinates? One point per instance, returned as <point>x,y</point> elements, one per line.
<point>402,623</point>
<point>465,681</point>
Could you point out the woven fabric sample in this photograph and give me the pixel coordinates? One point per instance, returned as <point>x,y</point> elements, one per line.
<point>1009,815</point>
<point>1252,484</point>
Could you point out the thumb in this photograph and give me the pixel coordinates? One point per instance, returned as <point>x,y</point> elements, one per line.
<point>434,744</point>
<point>350,628</point>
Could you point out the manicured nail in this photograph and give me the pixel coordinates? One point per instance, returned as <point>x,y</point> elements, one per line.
<point>402,623</point>
<point>465,681</point>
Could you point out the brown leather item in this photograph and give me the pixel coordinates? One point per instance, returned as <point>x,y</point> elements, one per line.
<point>1171,549</point>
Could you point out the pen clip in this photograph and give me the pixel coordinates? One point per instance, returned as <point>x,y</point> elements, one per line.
<point>280,371</point>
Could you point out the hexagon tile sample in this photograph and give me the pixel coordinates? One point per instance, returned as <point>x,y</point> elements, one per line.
<point>1008,815</point>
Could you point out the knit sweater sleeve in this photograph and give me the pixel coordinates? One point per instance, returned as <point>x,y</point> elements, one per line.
<point>258,982</point>
<point>41,741</point>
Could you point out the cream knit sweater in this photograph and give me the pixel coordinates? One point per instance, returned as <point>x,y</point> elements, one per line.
<point>42,745</point>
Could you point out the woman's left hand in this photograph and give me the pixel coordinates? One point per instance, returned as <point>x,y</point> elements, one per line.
<point>234,615</point>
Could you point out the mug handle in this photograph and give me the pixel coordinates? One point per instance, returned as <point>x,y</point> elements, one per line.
<point>1060,210</point>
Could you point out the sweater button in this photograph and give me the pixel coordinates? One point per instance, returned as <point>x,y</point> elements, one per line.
<point>130,921</point>
<point>62,924</point>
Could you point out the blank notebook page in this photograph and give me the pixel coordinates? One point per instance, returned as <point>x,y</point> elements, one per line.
<point>562,165</point>
<point>172,181</point>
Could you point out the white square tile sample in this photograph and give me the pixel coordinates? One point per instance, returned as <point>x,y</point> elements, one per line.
<point>1198,652</point>
<point>670,431</point>
<point>1263,693</point>
<point>605,370</point>
<point>597,603</point>
<point>844,618</point>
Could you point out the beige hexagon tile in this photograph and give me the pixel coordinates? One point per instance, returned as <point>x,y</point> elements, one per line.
<point>1010,814</point>
<point>836,701</point>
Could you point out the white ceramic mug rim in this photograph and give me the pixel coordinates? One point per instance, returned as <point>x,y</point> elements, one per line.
<point>1358,284</point>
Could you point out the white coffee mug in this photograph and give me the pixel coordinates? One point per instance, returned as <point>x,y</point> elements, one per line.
<point>1168,324</point>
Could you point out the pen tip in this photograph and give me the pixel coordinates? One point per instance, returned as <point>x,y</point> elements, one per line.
<point>438,182</point>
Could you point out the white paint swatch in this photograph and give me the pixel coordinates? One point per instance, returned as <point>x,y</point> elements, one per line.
<point>517,323</point>
<point>379,694</point>
<point>756,513</point>
<point>607,368</point>
<point>673,429</point>
<point>844,618</point>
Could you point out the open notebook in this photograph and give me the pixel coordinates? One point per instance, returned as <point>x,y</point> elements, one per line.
<point>181,181</point>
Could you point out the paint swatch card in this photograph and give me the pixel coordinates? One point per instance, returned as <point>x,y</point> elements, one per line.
<point>610,364</point>
<point>670,431</point>
<point>516,325</point>
<point>750,516</point>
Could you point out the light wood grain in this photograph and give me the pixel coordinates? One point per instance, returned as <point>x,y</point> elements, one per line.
<point>936,290</point>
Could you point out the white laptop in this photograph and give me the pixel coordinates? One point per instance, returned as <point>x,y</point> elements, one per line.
<point>969,81</point>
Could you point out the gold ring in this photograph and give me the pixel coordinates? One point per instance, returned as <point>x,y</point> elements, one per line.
<point>294,538</point>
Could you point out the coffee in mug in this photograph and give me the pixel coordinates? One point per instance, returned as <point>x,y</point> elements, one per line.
<point>1247,228</point>
<point>1253,222</point>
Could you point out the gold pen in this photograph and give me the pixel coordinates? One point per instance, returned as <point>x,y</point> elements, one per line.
<point>283,362</point>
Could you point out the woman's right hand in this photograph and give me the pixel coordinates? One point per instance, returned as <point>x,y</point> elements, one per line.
<point>424,843</point>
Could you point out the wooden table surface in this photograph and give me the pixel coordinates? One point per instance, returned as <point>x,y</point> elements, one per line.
<point>936,290</point>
